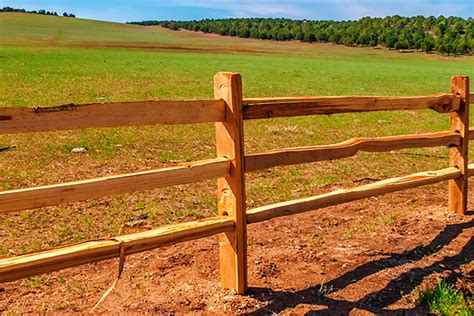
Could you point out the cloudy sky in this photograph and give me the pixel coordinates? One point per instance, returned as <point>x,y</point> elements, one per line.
<point>134,10</point>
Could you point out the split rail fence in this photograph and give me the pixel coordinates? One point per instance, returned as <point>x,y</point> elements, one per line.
<point>229,110</point>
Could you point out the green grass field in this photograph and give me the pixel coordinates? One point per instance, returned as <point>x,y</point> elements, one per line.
<point>53,60</point>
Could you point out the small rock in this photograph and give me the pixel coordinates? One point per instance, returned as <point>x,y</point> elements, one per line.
<point>139,217</point>
<point>79,150</point>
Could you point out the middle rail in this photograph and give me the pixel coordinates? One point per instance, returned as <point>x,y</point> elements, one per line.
<point>348,148</point>
<point>49,195</point>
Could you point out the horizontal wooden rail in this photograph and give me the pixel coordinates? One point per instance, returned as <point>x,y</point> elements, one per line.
<point>347,195</point>
<point>470,170</point>
<point>281,107</point>
<point>71,116</point>
<point>14,268</point>
<point>349,148</point>
<point>22,199</point>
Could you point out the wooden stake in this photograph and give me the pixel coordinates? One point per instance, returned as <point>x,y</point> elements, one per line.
<point>231,190</point>
<point>458,155</point>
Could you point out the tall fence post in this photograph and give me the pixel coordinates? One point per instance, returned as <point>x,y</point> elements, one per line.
<point>231,190</point>
<point>458,156</point>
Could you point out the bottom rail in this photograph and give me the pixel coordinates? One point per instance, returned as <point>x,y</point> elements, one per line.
<point>19,267</point>
<point>347,195</point>
<point>470,170</point>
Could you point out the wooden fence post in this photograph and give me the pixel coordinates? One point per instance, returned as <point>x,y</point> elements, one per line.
<point>231,190</point>
<point>458,156</point>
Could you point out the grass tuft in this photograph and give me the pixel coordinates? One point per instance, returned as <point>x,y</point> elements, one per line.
<point>446,300</point>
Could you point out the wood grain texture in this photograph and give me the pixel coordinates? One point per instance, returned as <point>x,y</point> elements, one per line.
<point>231,189</point>
<point>14,268</point>
<point>347,195</point>
<point>470,170</point>
<point>458,155</point>
<point>282,107</point>
<point>349,148</point>
<point>471,134</point>
<point>71,116</point>
<point>22,199</point>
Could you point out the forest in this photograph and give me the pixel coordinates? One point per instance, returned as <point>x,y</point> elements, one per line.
<point>444,35</point>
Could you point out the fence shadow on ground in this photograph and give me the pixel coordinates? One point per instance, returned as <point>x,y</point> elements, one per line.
<point>376,302</point>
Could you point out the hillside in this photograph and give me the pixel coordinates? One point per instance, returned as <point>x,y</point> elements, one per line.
<point>23,28</point>
<point>49,31</point>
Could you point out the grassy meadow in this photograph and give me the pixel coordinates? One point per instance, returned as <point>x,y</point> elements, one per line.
<point>47,60</point>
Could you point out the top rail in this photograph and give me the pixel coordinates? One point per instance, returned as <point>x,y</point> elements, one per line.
<point>72,116</point>
<point>261,108</point>
<point>136,113</point>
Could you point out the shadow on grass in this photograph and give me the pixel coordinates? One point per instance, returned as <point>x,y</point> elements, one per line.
<point>374,302</point>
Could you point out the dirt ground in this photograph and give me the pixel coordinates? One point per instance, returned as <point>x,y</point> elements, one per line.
<point>360,258</point>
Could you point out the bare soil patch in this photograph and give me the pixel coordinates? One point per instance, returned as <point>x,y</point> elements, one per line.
<point>359,258</point>
<point>173,47</point>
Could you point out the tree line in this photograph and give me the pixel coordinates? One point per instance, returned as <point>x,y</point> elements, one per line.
<point>444,35</point>
<point>42,12</point>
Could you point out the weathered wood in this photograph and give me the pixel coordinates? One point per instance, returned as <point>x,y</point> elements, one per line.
<point>298,155</point>
<point>471,97</point>
<point>22,199</point>
<point>231,189</point>
<point>458,155</point>
<point>14,268</point>
<point>470,170</point>
<point>281,107</point>
<point>71,116</point>
<point>471,134</point>
<point>347,195</point>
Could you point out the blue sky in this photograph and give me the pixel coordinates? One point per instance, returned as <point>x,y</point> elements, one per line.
<point>134,10</point>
